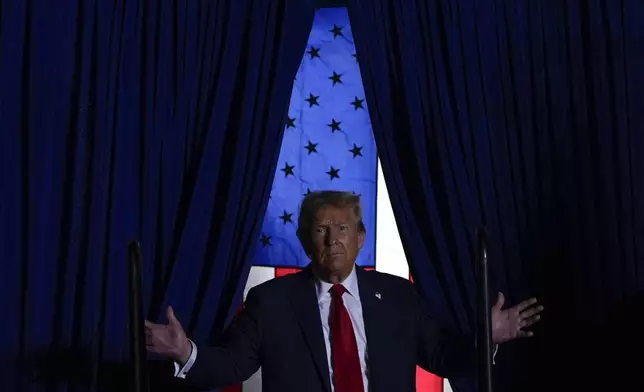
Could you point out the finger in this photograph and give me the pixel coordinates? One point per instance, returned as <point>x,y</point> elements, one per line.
<point>529,321</point>
<point>525,334</point>
<point>172,319</point>
<point>500,300</point>
<point>149,325</point>
<point>531,311</point>
<point>526,304</point>
<point>152,348</point>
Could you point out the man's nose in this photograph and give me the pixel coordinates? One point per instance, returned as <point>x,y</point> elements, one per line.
<point>331,236</point>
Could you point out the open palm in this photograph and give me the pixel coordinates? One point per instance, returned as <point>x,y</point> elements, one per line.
<point>509,324</point>
<point>168,340</point>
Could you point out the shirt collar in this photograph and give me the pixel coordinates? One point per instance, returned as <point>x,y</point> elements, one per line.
<point>350,283</point>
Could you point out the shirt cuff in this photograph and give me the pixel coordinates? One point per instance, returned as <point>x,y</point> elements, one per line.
<point>496,349</point>
<point>181,372</point>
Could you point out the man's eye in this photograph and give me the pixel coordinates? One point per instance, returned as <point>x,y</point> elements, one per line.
<point>344,228</point>
<point>320,230</point>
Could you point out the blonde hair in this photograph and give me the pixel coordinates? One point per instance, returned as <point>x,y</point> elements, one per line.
<point>316,200</point>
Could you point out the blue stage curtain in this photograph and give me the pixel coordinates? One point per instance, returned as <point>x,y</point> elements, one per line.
<point>526,117</point>
<point>156,120</point>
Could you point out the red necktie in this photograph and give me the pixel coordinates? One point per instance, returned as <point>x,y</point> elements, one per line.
<point>347,374</point>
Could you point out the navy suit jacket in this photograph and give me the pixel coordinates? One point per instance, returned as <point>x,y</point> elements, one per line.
<point>280,330</point>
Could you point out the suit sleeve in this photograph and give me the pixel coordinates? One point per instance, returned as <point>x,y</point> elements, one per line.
<point>441,351</point>
<point>236,358</point>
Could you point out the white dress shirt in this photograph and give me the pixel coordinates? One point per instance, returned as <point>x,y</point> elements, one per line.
<point>351,301</point>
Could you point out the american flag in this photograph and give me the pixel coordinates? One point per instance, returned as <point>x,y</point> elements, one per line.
<point>328,144</point>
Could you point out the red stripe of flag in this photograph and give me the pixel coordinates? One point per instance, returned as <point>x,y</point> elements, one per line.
<point>285,271</point>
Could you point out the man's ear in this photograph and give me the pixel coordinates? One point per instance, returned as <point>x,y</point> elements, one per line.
<point>361,237</point>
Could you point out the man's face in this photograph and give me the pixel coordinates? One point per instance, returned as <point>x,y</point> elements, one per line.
<point>336,240</point>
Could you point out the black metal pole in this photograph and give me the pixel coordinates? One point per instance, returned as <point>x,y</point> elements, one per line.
<point>484,316</point>
<point>138,355</point>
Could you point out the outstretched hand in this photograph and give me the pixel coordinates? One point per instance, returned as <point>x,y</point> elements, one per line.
<point>511,323</point>
<point>168,340</point>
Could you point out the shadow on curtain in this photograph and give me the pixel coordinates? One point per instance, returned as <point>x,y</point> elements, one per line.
<point>155,120</point>
<point>525,117</point>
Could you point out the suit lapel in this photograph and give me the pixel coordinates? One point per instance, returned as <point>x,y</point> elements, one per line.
<point>373,304</point>
<point>305,304</point>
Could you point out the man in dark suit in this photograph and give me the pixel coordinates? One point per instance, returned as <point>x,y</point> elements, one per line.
<point>334,327</point>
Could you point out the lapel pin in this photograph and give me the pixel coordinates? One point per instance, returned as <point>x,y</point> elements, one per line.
<point>378,295</point>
